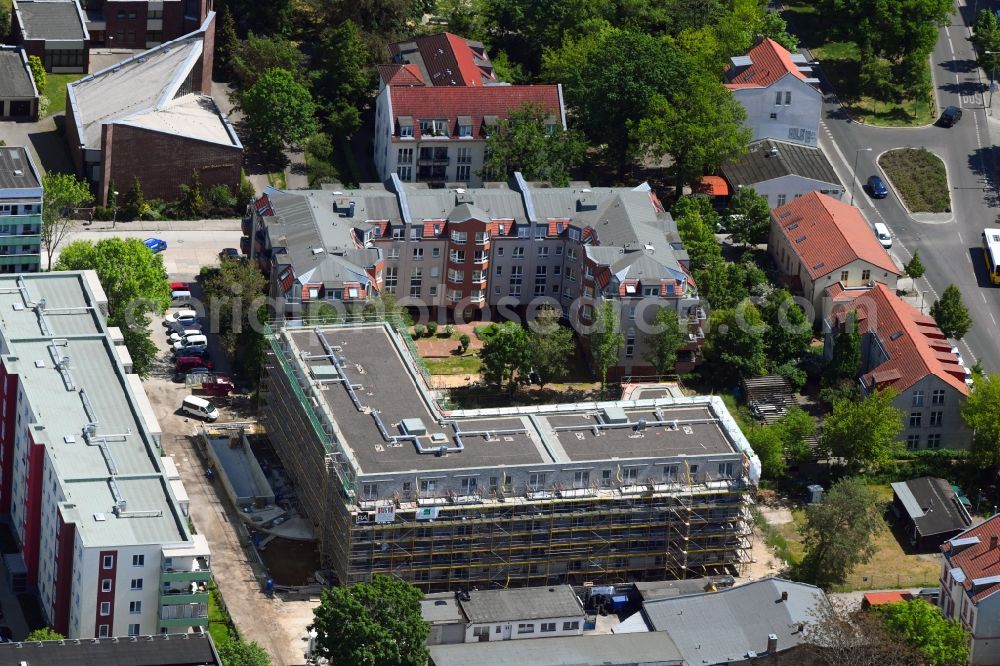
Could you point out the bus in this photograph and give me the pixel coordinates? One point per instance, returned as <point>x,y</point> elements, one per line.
<point>991,253</point>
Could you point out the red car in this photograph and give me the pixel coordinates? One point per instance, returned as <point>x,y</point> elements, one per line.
<point>185,363</point>
<point>180,286</point>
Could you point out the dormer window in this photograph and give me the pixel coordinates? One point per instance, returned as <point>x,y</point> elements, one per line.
<point>490,124</point>
<point>405,127</point>
<point>465,127</point>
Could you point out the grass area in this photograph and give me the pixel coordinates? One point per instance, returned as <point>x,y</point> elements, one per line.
<point>920,178</point>
<point>840,63</point>
<point>456,365</point>
<point>55,90</point>
<point>220,625</point>
<point>277,179</point>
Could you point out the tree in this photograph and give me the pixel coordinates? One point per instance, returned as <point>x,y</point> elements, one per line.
<point>227,42</point>
<point>859,639</point>
<point>240,653</point>
<point>942,641</point>
<point>255,56</point>
<point>135,282</point>
<point>749,218</point>
<point>914,267</point>
<point>232,293</point>
<point>696,227</point>
<point>950,314</point>
<point>666,342</point>
<point>986,37</point>
<point>507,355</point>
<point>846,360</point>
<point>865,432</point>
<point>528,142</point>
<point>839,532</point>
<point>766,443</point>
<point>44,634</point>
<point>371,624</point>
<point>38,73</point>
<point>789,330</point>
<point>5,24</point>
<point>981,412</point>
<point>915,80</point>
<point>875,78</point>
<point>192,202</point>
<point>61,192</point>
<point>273,17</point>
<point>795,428</point>
<point>134,205</point>
<point>279,110</point>
<point>734,346</point>
<point>346,82</point>
<point>774,27</point>
<point>552,347</point>
<point>605,339</point>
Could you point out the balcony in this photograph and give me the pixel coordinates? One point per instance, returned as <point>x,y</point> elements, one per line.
<point>170,598</point>
<point>482,238</point>
<point>478,277</point>
<point>480,258</point>
<point>191,615</point>
<point>477,296</point>
<point>197,571</point>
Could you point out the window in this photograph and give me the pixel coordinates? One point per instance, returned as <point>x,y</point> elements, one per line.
<point>571,626</point>
<point>464,155</point>
<point>393,253</point>
<point>937,397</point>
<point>136,584</point>
<point>525,628</point>
<point>463,172</point>
<point>934,441</point>
<point>536,479</point>
<point>912,442</point>
<point>435,127</point>
<point>630,474</point>
<point>914,419</point>
<point>543,251</point>
<point>397,233</point>
<point>726,470</point>
<point>605,477</point>
<point>581,479</point>
<point>650,291</point>
<point>369,490</point>
<point>499,271</point>
<point>418,253</point>
<point>788,98</point>
<point>416,281</point>
<point>131,15</point>
<point>153,37</point>
<point>469,485</point>
<point>109,562</point>
<point>133,629</point>
<point>548,626</point>
<point>540,232</point>
<point>130,37</point>
<point>138,560</point>
<point>670,473</point>
<point>918,399</point>
<point>416,233</point>
<point>404,155</point>
<point>106,585</point>
<point>866,275</point>
<point>459,237</point>
<point>435,252</point>
<point>120,15</point>
<point>844,275</point>
<point>134,607</point>
<point>937,418</point>
<point>406,131</point>
<point>517,253</point>
<point>103,630</point>
<point>391,279</point>
<point>464,131</point>
<point>480,631</point>
<point>105,608</point>
<point>630,345</point>
<point>589,272</point>
<point>781,198</point>
<point>154,14</point>
<point>457,256</point>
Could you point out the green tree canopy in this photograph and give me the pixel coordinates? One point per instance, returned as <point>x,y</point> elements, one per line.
<point>944,642</point>
<point>839,532</point>
<point>234,296</point>
<point>986,37</point>
<point>774,27</point>
<point>134,205</point>
<point>371,624</point>
<point>552,347</point>
<point>279,110</point>
<point>346,81</point>
<point>795,428</point>
<point>790,332</point>
<point>734,346</point>
<point>528,142</point>
<point>981,412</point>
<point>135,282</point>
<point>239,653</point>
<point>507,355</point>
<point>226,44</point>
<point>605,340</point>
<point>767,444</point>
<point>256,55</point>
<point>845,363</point>
<point>667,340</point>
<point>44,634</point>
<point>950,314</point>
<point>914,267</point>
<point>696,224</point>
<point>61,192</point>
<point>864,432</point>
<point>38,73</point>
<point>891,30</point>
<point>749,219</point>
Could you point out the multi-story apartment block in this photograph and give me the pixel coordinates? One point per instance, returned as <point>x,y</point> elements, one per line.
<point>143,24</point>
<point>970,581</point>
<point>438,102</point>
<point>781,98</point>
<point>20,211</point>
<point>472,253</point>
<point>100,535</point>
<point>601,492</point>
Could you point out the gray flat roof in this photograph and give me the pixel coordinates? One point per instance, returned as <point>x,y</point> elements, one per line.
<point>121,461</point>
<point>162,650</point>
<point>17,171</point>
<point>524,603</point>
<point>386,382</point>
<point>15,78</point>
<point>57,20</point>
<point>589,650</point>
<point>441,608</point>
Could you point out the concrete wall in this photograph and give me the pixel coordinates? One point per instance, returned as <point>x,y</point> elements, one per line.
<point>797,122</point>
<point>499,631</point>
<point>793,186</point>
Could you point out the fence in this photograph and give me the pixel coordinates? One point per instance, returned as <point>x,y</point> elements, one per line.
<point>888,581</point>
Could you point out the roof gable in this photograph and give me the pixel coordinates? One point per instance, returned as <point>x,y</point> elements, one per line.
<point>975,553</point>
<point>769,62</point>
<point>768,159</point>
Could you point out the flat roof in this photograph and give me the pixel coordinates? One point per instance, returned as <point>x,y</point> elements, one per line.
<point>17,170</point>
<point>388,386</point>
<point>15,77</point>
<point>588,650</point>
<point>524,603</point>
<point>159,650</point>
<point>68,367</point>
<point>51,20</point>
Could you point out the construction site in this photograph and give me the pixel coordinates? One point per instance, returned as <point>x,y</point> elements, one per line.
<point>583,493</point>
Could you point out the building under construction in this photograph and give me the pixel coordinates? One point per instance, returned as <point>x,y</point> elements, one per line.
<point>598,492</point>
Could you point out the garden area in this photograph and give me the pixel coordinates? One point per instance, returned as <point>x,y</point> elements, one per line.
<point>919,177</point>
<point>450,349</point>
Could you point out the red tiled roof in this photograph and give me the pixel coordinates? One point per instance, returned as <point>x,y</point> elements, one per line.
<point>770,61</point>
<point>713,186</point>
<point>826,234</point>
<point>916,347</point>
<point>448,60</point>
<point>837,294</point>
<point>882,598</point>
<point>452,102</point>
<point>977,560</point>
<point>401,75</point>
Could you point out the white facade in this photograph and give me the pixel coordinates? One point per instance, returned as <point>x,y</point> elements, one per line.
<point>780,191</point>
<point>787,110</point>
<point>543,628</point>
<point>981,619</point>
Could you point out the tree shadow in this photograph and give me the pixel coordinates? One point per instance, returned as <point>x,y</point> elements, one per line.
<point>967,88</point>
<point>256,159</point>
<point>983,163</point>
<point>964,66</point>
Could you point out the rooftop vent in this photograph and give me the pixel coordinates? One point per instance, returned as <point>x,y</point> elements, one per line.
<point>614,414</point>
<point>413,427</point>
<point>318,250</point>
<point>69,439</point>
<point>896,336</point>
<point>99,517</point>
<point>39,363</point>
<point>18,172</point>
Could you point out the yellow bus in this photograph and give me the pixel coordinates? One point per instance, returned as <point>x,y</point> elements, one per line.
<point>991,253</point>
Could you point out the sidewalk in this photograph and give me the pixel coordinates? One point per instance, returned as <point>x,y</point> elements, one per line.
<point>229,224</point>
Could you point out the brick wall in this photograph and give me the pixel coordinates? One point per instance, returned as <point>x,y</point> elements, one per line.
<point>202,74</point>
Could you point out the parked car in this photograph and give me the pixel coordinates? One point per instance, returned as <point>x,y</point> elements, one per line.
<point>184,317</point>
<point>883,235</point>
<point>198,340</point>
<point>229,253</point>
<point>177,327</point>
<point>877,188</point>
<point>177,336</point>
<point>200,408</point>
<point>180,298</point>
<point>192,363</point>
<point>950,116</point>
<point>157,245</point>
<point>180,286</point>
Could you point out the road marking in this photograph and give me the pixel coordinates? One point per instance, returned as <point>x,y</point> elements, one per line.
<point>984,298</point>
<point>993,318</point>
<point>960,240</point>
<point>951,47</point>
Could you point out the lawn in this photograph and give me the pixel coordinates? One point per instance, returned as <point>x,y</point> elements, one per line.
<point>277,179</point>
<point>890,567</point>
<point>840,63</point>
<point>920,179</point>
<point>55,90</point>
<point>456,365</point>
<point>218,622</point>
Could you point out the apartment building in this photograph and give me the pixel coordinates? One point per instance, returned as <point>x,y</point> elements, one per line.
<point>481,253</point>
<point>143,24</point>
<point>601,492</point>
<point>970,582</point>
<point>780,95</point>
<point>438,102</point>
<point>20,211</point>
<point>100,536</point>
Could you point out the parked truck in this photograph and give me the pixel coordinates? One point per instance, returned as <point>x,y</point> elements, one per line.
<point>209,383</point>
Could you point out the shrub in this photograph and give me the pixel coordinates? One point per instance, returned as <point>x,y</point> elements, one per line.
<point>432,328</point>
<point>418,331</point>
<point>219,196</point>
<point>449,330</point>
<point>43,106</point>
<point>104,213</point>
<point>464,340</point>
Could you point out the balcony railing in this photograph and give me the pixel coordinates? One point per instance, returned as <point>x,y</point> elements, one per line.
<point>478,277</point>
<point>482,239</point>
<point>477,296</point>
<point>480,258</point>
<point>184,612</point>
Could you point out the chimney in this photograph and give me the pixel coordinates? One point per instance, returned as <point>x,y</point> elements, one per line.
<point>784,595</point>
<point>993,542</point>
<point>772,643</point>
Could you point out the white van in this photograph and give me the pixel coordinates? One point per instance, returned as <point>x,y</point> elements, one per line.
<point>180,298</point>
<point>200,408</point>
<point>883,235</point>
<point>197,340</point>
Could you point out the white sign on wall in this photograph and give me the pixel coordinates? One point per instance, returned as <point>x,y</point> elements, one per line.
<point>385,513</point>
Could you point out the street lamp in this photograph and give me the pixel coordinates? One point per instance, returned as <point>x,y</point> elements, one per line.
<point>854,180</point>
<point>114,209</point>
<point>993,70</point>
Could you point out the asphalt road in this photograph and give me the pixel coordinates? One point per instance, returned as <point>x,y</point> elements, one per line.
<point>949,247</point>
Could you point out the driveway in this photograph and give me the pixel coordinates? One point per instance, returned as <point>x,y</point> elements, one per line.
<point>949,246</point>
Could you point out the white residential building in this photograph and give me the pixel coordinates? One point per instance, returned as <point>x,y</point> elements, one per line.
<point>970,582</point>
